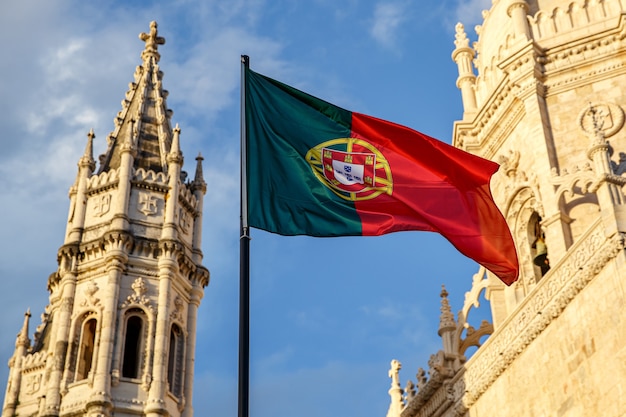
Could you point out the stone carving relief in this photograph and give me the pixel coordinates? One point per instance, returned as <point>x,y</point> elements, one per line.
<point>436,387</point>
<point>102,204</point>
<point>578,268</point>
<point>606,117</point>
<point>177,313</point>
<point>598,121</point>
<point>33,383</point>
<point>147,204</point>
<point>90,297</point>
<point>509,169</point>
<point>184,220</point>
<point>138,296</point>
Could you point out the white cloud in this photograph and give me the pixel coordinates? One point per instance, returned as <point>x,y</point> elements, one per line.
<point>469,12</point>
<point>388,18</point>
<point>205,80</point>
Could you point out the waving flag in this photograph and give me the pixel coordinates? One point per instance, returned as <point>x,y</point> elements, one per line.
<point>316,169</point>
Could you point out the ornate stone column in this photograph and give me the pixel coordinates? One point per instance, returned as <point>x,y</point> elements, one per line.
<point>463,56</point>
<point>517,11</point>
<point>100,403</point>
<point>200,280</point>
<point>168,267</point>
<point>61,327</point>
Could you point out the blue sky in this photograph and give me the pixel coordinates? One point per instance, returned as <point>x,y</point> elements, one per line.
<point>327,315</point>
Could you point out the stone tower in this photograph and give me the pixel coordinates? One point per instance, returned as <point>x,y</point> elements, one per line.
<point>544,93</point>
<point>118,335</point>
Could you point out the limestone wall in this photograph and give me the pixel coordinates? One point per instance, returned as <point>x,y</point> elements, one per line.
<point>576,366</point>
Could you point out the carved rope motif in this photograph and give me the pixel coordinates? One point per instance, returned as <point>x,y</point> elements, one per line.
<point>550,298</point>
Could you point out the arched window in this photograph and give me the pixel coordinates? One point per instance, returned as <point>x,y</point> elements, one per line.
<point>131,360</point>
<point>538,246</point>
<point>175,360</point>
<point>86,348</point>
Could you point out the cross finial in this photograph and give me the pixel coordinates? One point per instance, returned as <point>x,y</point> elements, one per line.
<point>152,41</point>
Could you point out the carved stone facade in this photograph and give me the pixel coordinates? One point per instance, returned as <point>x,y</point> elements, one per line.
<point>544,95</point>
<point>118,337</point>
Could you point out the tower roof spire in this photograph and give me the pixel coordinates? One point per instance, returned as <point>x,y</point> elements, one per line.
<point>145,108</point>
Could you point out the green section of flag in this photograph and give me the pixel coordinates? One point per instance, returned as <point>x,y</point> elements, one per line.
<point>284,195</point>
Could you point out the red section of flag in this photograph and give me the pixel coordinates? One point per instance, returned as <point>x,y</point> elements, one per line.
<point>438,188</point>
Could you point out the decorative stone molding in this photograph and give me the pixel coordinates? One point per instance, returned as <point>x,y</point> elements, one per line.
<point>522,202</point>
<point>144,271</point>
<point>149,176</point>
<point>103,181</point>
<point>34,362</point>
<point>131,401</point>
<point>461,389</point>
<point>201,275</point>
<point>504,111</point>
<point>428,399</point>
<point>575,16</point>
<point>75,406</point>
<point>118,242</point>
<point>549,298</point>
<point>145,248</point>
<point>571,80</point>
<point>187,198</point>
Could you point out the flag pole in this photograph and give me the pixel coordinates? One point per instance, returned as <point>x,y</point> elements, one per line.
<point>244,261</point>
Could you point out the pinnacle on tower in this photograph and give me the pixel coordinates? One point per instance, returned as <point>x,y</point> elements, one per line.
<point>198,180</point>
<point>22,337</point>
<point>87,158</point>
<point>152,41</point>
<point>446,320</point>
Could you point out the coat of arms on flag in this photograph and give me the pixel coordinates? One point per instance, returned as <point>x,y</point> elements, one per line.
<point>352,168</point>
<point>349,171</point>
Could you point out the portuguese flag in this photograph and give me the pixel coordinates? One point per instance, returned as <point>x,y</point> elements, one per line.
<point>316,169</point>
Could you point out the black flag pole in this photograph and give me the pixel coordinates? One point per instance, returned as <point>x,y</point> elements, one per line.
<point>244,261</point>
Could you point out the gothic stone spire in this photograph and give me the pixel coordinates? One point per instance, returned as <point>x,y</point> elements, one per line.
<point>144,117</point>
